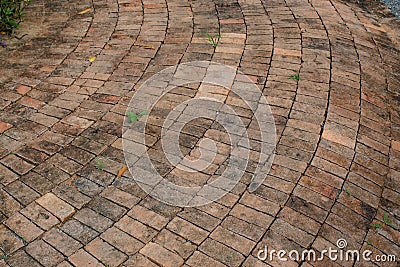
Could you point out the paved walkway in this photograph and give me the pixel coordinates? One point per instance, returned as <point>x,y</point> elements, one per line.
<point>336,173</point>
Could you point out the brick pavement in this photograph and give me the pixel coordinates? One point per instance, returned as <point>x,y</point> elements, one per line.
<point>337,166</point>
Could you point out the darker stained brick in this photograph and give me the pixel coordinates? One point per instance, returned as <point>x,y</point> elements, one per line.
<point>21,192</point>
<point>32,155</point>
<point>100,177</point>
<point>71,195</point>
<point>107,208</point>
<point>79,231</point>
<point>306,208</point>
<point>37,182</point>
<point>109,127</point>
<point>52,173</point>
<point>77,154</point>
<point>46,146</point>
<point>87,186</point>
<point>103,98</point>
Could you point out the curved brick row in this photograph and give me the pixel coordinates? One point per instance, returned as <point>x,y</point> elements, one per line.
<point>329,71</point>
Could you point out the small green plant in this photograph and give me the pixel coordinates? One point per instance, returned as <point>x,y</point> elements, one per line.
<point>133,117</point>
<point>347,191</point>
<point>213,40</point>
<point>99,164</point>
<point>369,243</point>
<point>11,13</point>
<point>295,77</point>
<point>389,221</point>
<point>376,226</point>
<point>3,256</point>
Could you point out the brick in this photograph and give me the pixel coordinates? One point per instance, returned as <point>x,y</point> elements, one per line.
<point>107,208</point>
<point>106,253</point>
<point>23,89</point>
<point>122,241</point>
<point>17,164</point>
<point>221,253</point>
<point>31,102</point>
<point>200,259</point>
<point>93,219</point>
<point>64,264</point>
<point>396,145</point>
<point>37,182</point>
<point>44,253</point>
<point>338,138</point>
<point>235,241</point>
<point>187,230</point>
<point>21,192</point>
<point>32,155</point>
<point>9,241</point>
<point>199,218</point>
<point>259,203</point>
<point>251,215</point>
<point>72,195</point>
<point>136,229</point>
<point>248,230</point>
<point>23,227</point>
<point>148,217</point>
<point>61,241</point>
<point>7,176</point>
<point>21,258</point>
<point>82,258</point>
<point>56,206</point>
<point>292,232</point>
<point>40,216</point>
<point>8,204</point>
<point>184,248</point>
<point>161,255</point>
<point>4,127</point>
<point>139,260</point>
<point>120,197</point>
<point>79,231</point>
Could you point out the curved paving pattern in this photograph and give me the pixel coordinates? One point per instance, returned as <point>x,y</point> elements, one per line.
<point>337,165</point>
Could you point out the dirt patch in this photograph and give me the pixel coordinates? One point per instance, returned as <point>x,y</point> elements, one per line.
<point>33,39</point>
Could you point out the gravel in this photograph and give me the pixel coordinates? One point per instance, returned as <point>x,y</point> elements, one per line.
<point>394,5</point>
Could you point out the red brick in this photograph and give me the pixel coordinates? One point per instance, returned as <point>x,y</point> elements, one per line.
<point>23,89</point>
<point>31,102</point>
<point>4,126</point>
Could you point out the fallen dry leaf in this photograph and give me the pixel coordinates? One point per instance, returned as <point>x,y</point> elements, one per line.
<point>84,11</point>
<point>121,171</point>
<point>91,59</point>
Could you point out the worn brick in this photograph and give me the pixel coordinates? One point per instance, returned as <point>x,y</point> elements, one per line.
<point>56,206</point>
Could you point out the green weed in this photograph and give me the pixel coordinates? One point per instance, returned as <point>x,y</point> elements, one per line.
<point>99,164</point>
<point>213,40</point>
<point>295,77</point>
<point>133,117</point>
<point>389,222</point>
<point>11,13</point>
